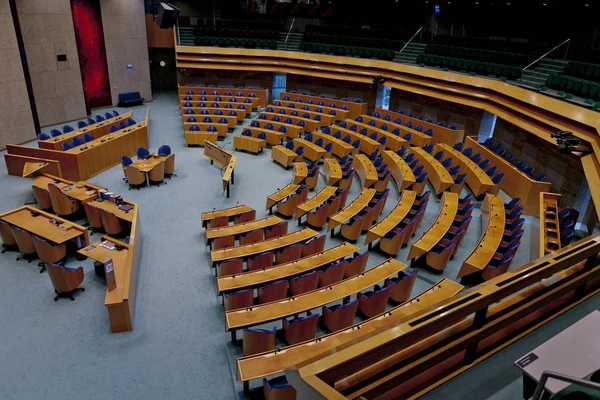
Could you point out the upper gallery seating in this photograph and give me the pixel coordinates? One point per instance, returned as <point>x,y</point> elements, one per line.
<point>233,33</point>
<point>504,44</point>
<point>580,79</point>
<point>473,67</point>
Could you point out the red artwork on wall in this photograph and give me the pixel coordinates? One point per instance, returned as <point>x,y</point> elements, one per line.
<point>89,35</point>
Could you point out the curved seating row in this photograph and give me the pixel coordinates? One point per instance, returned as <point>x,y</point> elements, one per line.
<point>416,138</point>
<point>261,94</point>
<point>318,216</point>
<point>222,217</point>
<point>338,113</point>
<point>229,234</point>
<point>391,141</point>
<point>355,107</point>
<point>362,221</point>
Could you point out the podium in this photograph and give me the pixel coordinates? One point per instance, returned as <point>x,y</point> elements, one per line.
<point>223,158</point>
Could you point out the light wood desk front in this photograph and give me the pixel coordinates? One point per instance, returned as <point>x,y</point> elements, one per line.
<point>261,247</point>
<point>401,172</point>
<point>81,191</point>
<point>275,273</point>
<point>240,229</point>
<point>493,230</point>
<point>515,182</point>
<point>355,109</point>
<point>278,360</point>
<point>393,219</point>
<point>352,209</point>
<point>315,201</point>
<point>332,171</point>
<point>366,170</point>
<point>311,150</point>
<point>418,139</point>
<point>97,130</point>
<point>310,125</point>
<point>477,179</point>
<point>340,114</point>
<point>438,229</point>
<point>326,119</point>
<point>112,208</point>
<point>367,145</point>
<point>276,310</point>
<point>230,213</point>
<point>216,109</point>
<point>221,128</point>
<point>292,130</point>
<point>299,172</point>
<point>438,176</point>
<point>37,222</point>
<point>273,137</point>
<point>393,142</point>
<point>340,148</point>
<point>280,195</point>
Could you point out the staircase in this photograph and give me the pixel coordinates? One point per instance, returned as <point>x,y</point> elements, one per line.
<point>537,76</point>
<point>186,36</point>
<point>293,43</point>
<point>410,53</point>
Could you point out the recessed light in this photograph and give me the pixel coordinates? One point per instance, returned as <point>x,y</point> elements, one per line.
<point>508,4</point>
<point>543,4</point>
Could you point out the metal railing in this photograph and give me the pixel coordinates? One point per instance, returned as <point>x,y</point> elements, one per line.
<point>288,34</point>
<point>410,40</point>
<point>539,390</point>
<point>554,48</point>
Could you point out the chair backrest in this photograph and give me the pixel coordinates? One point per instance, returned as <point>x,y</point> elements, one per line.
<point>356,264</point>
<point>164,150</point>
<point>240,299</point>
<point>55,132</point>
<point>61,204</point>
<point>111,223</point>
<point>273,291</point>
<point>300,329</point>
<point>7,236</point>
<point>66,145</point>
<point>332,274</point>
<point>261,261</point>
<point>289,253</point>
<point>67,128</point>
<point>93,215</point>
<point>42,197</point>
<point>23,239</point>
<point>142,152</point>
<point>47,252</point>
<point>373,303</point>
<point>77,141</point>
<point>258,340</point>
<point>340,316</point>
<point>251,237</point>
<point>87,137</point>
<point>64,279</point>
<point>43,136</point>
<point>157,173</point>
<point>277,230</point>
<point>134,175</point>
<point>314,246</point>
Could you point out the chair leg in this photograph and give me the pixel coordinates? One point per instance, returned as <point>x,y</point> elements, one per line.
<point>43,267</point>
<point>67,295</point>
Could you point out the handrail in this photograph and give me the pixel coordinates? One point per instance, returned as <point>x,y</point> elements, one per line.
<point>554,48</point>
<point>288,34</point>
<point>561,377</point>
<point>410,40</point>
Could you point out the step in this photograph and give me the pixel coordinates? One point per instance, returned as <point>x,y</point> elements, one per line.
<point>535,73</point>
<point>534,79</point>
<point>549,71</point>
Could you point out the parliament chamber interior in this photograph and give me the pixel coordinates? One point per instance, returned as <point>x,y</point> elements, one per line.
<point>300,199</point>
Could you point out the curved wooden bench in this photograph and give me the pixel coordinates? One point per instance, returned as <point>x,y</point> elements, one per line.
<point>493,230</point>
<point>438,176</point>
<point>354,108</point>
<point>283,156</point>
<point>332,171</point>
<point>230,213</point>
<point>292,130</point>
<point>311,150</point>
<point>276,361</point>
<point>314,202</point>
<point>326,119</point>
<point>340,148</point>
<point>284,271</point>
<point>394,218</point>
<point>367,145</point>
<point>360,202</point>
<point>311,125</point>
<point>418,139</point>
<point>393,142</point>
<point>438,229</point>
<point>240,229</point>
<point>280,195</point>
<point>401,172</point>
<point>212,98</point>
<point>477,179</point>
<point>367,173</point>
<point>340,115</point>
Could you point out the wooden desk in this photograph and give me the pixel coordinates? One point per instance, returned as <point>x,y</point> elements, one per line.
<point>81,191</point>
<point>111,207</point>
<point>277,310</point>
<point>230,121</point>
<point>31,168</point>
<point>280,195</point>
<point>97,130</point>
<point>239,229</point>
<point>273,137</point>
<point>17,164</point>
<point>340,114</point>
<point>261,94</point>
<point>352,209</point>
<point>493,230</point>
<point>401,172</point>
<point>241,113</point>
<point>311,125</point>
<point>477,179</point>
<point>438,175</point>
<point>284,156</point>
<point>355,109</point>
<point>314,201</point>
<point>261,247</point>
<point>199,138</point>
<point>418,139</point>
<point>284,271</point>
<point>211,98</point>
<point>366,170</point>
<point>299,172</point>
<point>223,158</point>
<point>311,150</point>
<point>438,229</point>
<point>326,119</point>
<point>393,219</point>
<point>146,165</point>
<point>292,130</point>
<point>230,213</point>
<point>278,360</point>
<point>549,230</point>
<point>229,174</point>
<point>515,182</point>
<point>120,302</point>
<point>441,134</point>
<point>367,145</point>
<point>40,225</point>
<point>393,142</point>
<point>340,148</point>
<point>221,128</point>
<point>332,171</point>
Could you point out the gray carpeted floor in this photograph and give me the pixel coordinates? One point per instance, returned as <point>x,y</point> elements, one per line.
<point>178,348</point>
